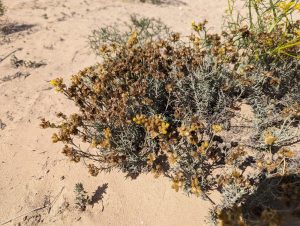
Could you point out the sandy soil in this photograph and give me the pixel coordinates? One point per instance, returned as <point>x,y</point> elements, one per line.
<point>33,172</point>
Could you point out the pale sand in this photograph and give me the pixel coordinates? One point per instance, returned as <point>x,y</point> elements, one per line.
<point>31,166</point>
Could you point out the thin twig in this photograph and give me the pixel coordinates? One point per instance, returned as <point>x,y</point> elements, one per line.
<point>2,59</point>
<point>206,196</point>
<point>36,209</point>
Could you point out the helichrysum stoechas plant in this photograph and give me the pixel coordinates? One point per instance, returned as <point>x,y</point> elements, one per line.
<point>163,104</point>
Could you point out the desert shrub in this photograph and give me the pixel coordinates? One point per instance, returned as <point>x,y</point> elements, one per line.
<point>165,104</point>
<point>267,66</point>
<point>146,29</point>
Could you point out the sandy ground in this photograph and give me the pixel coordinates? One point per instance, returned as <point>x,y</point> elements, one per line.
<point>33,172</point>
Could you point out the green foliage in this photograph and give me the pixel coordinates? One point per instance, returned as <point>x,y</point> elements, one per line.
<point>146,29</point>
<point>82,199</point>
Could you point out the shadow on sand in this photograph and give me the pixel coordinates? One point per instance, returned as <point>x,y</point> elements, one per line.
<point>278,195</point>
<point>11,28</point>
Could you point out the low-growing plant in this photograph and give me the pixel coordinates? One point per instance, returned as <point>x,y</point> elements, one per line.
<point>166,104</point>
<point>82,199</point>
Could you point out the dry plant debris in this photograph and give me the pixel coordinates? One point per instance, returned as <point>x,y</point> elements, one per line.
<point>18,74</point>
<point>16,62</point>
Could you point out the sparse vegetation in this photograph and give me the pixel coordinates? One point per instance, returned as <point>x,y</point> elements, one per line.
<point>145,28</point>
<point>16,75</point>
<point>82,199</point>
<point>2,9</point>
<point>166,104</point>
<point>16,62</point>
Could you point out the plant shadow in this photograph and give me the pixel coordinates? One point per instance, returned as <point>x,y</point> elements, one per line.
<point>276,199</point>
<point>12,28</point>
<point>166,2</point>
<point>98,195</point>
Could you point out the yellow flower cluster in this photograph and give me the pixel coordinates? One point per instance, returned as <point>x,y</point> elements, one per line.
<point>163,127</point>
<point>97,88</point>
<point>55,138</point>
<point>105,143</point>
<point>187,131</point>
<point>94,143</point>
<point>172,158</point>
<point>178,182</point>
<point>57,84</point>
<point>199,26</point>
<point>195,187</point>
<point>217,128</point>
<point>169,88</point>
<point>286,153</point>
<point>151,158</point>
<point>203,147</point>
<point>133,39</point>
<point>286,6</point>
<point>155,125</point>
<point>139,119</point>
<point>107,133</point>
<point>269,138</point>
